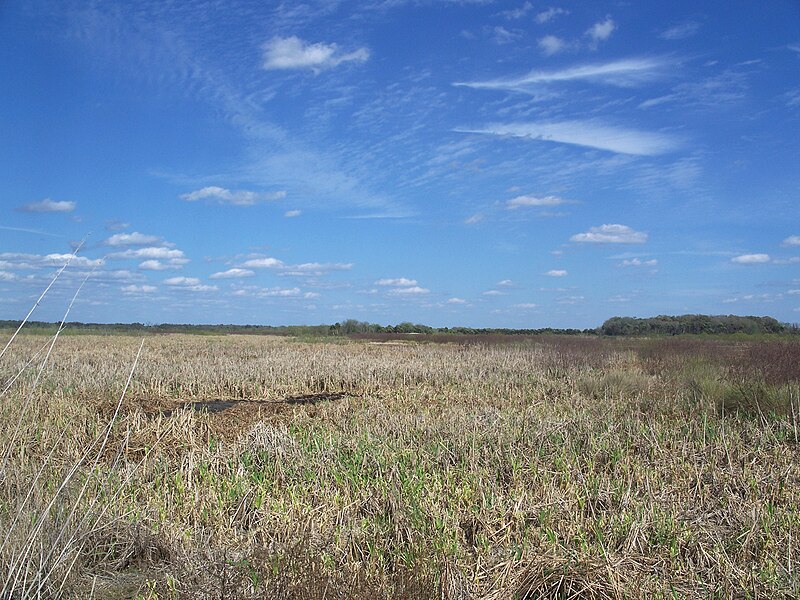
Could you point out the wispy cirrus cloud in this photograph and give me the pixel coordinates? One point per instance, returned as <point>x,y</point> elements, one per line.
<point>548,15</point>
<point>293,53</point>
<point>234,197</point>
<point>610,234</point>
<point>48,206</point>
<point>680,31</point>
<point>589,133</point>
<point>625,73</point>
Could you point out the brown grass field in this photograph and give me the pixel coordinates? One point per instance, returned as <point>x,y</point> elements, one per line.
<point>260,467</point>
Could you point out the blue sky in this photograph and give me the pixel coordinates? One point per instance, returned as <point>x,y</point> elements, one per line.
<point>519,164</point>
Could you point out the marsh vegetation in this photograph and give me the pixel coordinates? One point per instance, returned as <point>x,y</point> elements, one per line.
<point>265,467</point>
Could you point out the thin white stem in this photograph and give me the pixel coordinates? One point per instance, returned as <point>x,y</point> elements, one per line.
<point>44,293</point>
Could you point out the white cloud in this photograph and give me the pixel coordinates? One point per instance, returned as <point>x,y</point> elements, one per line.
<point>637,262</point>
<point>132,239</point>
<point>556,273</point>
<point>601,31</point>
<point>279,292</point>
<point>294,53</point>
<point>409,291</point>
<point>681,31</point>
<point>505,283</point>
<point>154,265</point>
<point>48,205</point>
<point>471,220</point>
<point>520,201</point>
<point>400,281</point>
<point>551,44</point>
<point>234,273</point>
<point>517,13</point>
<point>182,281</point>
<point>292,213</point>
<point>315,269</point>
<point>550,14</point>
<point>234,197</point>
<point>150,252</point>
<point>590,134</point>
<point>22,261</point>
<point>625,73</point>
<point>456,301</point>
<point>264,263</point>
<point>793,292</point>
<point>750,259</point>
<point>6,276</point>
<point>493,293</point>
<point>75,261</point>
<point>526,306</point>
<point>610,234</point>
<point>138,289</point>
<point>792,240</point>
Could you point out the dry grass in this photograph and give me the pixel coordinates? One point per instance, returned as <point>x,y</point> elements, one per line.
<point>545,469</point>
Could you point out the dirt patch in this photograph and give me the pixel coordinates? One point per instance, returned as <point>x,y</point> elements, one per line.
<point>228,417</point>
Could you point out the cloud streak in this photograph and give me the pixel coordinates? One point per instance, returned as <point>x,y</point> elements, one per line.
<point>588,134</point>
<point>624,73</point>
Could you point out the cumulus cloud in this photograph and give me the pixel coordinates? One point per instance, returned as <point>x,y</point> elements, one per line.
<point>610,234</point>
<point>156,265</point>
<point>601,31</point>
<point>264,263</point>
<point>551,44</point>
<point>456,301</point>
<point>589,134</point>
<point>150,252</point>
<point>294,53</point>
<point>292,213</point>
<point>636,262</point>
<point>48,206</point>
<point>222,195</point>
<point>138,289</point>
<point>132,239</point>
<point>792,240</point>
<point>556,273</point>
<point>521,201</point>
<point>526,306</point>
<point>751,259</point>
<point>410,291</point>
<point>234,273</point>
<point>180,281</point>
<point>505,283</point>
<point>400,281</point>
<point>314,269</point>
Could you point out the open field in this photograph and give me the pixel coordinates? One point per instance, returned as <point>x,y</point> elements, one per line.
<point>261,467</point>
